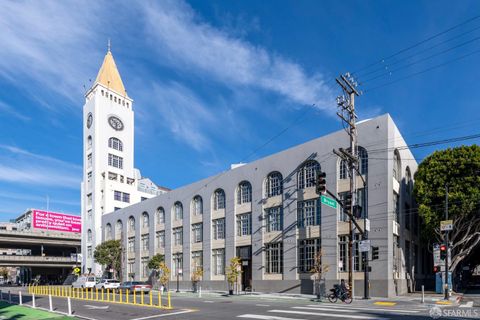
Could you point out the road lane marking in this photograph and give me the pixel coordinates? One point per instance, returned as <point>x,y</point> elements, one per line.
<point>89,306</point>
<point>350,316</point>
<point>469,304</point>
<point>165,315</point>
<point>362,308</point>
<point>262,305</point>
<point>208,301</point>
<point>325,309</point>
<point>265,317</point>
<point>385,303</point>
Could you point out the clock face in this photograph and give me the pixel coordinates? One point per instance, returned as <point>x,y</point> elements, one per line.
<point>115,123</point>
<point>89,120</point>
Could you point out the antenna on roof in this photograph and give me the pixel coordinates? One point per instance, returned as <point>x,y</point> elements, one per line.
<point>109,45</point>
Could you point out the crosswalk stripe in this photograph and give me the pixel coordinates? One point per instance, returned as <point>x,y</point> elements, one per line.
<point>265,317</point>
<point>350,316</point>
<point>330,307</point>
<point>324,309</point>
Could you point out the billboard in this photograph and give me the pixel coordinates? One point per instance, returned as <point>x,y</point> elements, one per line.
<point>56,221</point>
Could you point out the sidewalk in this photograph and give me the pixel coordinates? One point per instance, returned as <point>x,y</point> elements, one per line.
<point>430,297</point>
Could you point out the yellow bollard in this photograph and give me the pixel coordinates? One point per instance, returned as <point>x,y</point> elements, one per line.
<point>108,294</point>
<point>103,297</point>
<point>126,295</point>
<point>121,297</point>
<point>92,294</point>
<point>169,301</point>
<point>96,293</point>
<point>113,295</point>
<point>134,296</point>
<point>151,299</point>
<point>159,299</point>
<point>141,297</point>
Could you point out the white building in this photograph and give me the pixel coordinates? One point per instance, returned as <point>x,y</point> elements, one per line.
<point>110,181</point>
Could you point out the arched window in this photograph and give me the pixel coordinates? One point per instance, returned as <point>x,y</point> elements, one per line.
<point>408,181</point>
<point>343,170</point>
<point>89,235</point>
<point>362,160</point>
<point>397,165</point>
<point>131,224</point>
<point>197,205</point>
<point>108,232</point>
<point>307,174</point>
<point>115,143</point>
<point>178,209</point>
<point>244,192</point>
<point>119,229</point>
<point>160,215</point>
<point>219,199</point>
<point>145,220</point>
<point>89,141</point>
<point>274,184</point>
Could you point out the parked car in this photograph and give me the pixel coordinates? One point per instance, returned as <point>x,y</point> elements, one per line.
<point>108,284</point>
<point>136,286</point>
<point>84,282</point>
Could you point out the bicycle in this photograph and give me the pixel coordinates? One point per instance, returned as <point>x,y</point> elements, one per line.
<point>338,294</point>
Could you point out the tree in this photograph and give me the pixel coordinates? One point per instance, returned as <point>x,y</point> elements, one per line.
<point>4,273</point>
<point>459,168</point>
<point>233,271</point>
<point>164,274</point>
<point>109,254</point>
<point>155,263</point>
<point>319,269</point>
<point>197,275</point>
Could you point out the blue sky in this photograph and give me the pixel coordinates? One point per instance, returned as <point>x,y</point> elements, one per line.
<point>214,80</point>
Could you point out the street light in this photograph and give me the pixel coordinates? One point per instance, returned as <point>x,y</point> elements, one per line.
<point>180,271</point>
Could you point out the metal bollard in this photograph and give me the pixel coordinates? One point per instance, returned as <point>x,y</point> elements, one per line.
<point>141,297</point>
<point>121,295</point>
<point>169,301</point>
<point>134,296</point>
<point>69,304</point>
<point>9,297</point>
<point>50,302</point>
<point>20,300</point>
<point>423,294</point>
<point>199,291</point>
<point>126,295</point>
<point>96,293</point>
<point>151,299</point>
<point>159,299</point>
<point>33,301</point>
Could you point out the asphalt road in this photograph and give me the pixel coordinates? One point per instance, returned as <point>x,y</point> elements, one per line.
<point>239,307</point>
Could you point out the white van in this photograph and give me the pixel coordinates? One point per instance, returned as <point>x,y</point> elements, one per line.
<point>85,282</point>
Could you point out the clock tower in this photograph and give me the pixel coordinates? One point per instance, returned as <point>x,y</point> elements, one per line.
<point>109,181</point>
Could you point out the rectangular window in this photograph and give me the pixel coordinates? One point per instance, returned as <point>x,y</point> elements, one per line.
<point>131,267</point>
<point>244,224</point>
<point>197,232</point>
<point>89,180</point>
<point>115,161</point>
<point>145,242</point>
<point>178,236</point>
<point>161,239</point>
<point>89,214</point>
<point>126,197</point>
<point>131,244</point>
<point>357,255</point>
<point>145,270</point>
<point>274,219</point>
<point>396,262</point>
<point>177,262</point>
<point>218,261</point>
<point>407,213</point>
<point>89,199</point>
<point>117,195</point>
<point>89,252</point>
<point>362,203</point>
<point>308,213</point>
<point>218,226</point>
<point>89,161</point>
<point>396,207</point>
<point>342,254</point>
<point>274,257</point>
<point>197,260</point>
<point>307,250</point>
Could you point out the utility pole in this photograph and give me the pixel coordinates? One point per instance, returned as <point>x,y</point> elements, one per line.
<point>346,105</point>
<point>446,244</point>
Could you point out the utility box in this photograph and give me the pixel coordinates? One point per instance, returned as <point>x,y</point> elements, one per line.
<point>440,281</point>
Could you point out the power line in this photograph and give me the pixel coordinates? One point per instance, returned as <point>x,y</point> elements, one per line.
<point>382,60</point>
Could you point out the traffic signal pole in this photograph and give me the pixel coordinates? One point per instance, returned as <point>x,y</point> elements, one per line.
<point>446,245</point>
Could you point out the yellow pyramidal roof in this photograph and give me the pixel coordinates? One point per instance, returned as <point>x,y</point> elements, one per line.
<point>109,75</point>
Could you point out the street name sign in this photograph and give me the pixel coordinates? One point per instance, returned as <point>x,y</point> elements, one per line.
<point>446,225</point>
<point>329,202</point>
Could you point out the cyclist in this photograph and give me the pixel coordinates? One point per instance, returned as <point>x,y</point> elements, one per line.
<point>343,287</point>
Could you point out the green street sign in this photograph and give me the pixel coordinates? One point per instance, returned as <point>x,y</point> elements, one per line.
<point>329,202</point>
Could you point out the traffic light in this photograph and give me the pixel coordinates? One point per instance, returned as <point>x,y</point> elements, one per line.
<point>347,203</point>
<point>443,252</point>
<point>374,253</point>
<point>321,186</point>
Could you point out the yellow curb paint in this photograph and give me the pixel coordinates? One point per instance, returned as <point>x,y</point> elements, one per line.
<point>385,303</point>
<point>443,302</point>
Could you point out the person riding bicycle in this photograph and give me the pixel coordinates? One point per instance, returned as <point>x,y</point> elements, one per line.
<point>343,287</point>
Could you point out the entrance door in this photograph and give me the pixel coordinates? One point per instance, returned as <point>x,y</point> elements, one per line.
<point>245,255</point>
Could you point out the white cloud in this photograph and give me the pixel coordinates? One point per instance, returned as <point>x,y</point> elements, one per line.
<point>19,166</point>
<point>193,45</point>
<point>9,110</point>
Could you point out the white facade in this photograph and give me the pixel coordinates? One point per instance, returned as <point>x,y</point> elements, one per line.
<point>110,181</point>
